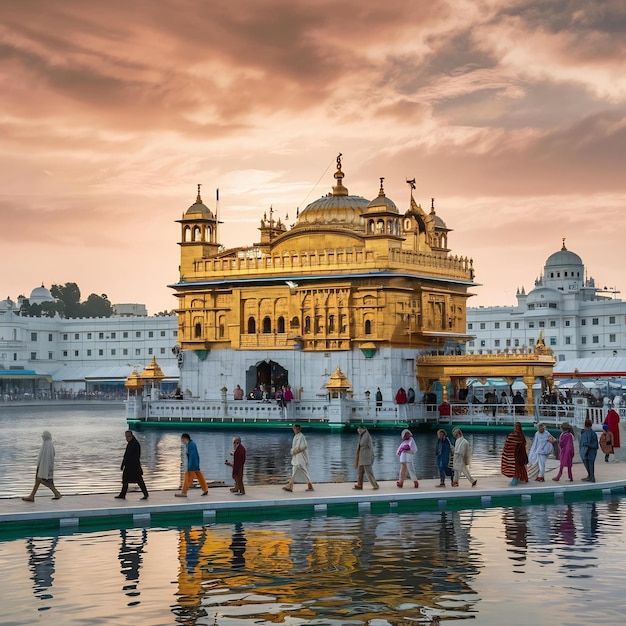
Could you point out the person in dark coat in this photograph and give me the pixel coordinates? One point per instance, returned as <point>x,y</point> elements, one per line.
<point>239,458</point>
<point>131,467</point>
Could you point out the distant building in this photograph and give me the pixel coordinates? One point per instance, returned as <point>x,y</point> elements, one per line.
<point>43,357</point>
<point>130,310</point>
<point>576,318</point>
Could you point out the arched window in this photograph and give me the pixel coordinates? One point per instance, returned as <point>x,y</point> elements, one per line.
<point>187,234</point>
<point>331,323</point>
<point>380,227</point>
<point>267,325</point>
<point>307,324</point>
<point>280,328</point>
<point>368,327</point>
<point>371,227</point>
<point>197,330</point>
<point>196,233</point>
<point>251,326</point>
<point>220,327</point>
<point>295,322</point>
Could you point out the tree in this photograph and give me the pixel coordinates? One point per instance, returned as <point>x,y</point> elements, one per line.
<point>96,306</point>
<point>69,295</point>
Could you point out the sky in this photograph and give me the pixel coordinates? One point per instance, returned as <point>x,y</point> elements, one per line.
<point>511,114</point>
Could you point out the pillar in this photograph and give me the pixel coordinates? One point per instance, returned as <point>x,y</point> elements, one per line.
<point>529,381</point>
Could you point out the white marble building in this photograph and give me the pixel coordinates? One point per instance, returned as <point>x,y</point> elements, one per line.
<point>39,355</point>
<point>576,318</point>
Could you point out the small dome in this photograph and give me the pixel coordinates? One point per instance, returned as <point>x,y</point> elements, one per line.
<point>437,221</point>
<point>7,305</point>
<point>199,208</point>
<point>544,295</point>
<point>382,202</point>
<point>563,257</point>
<point>39,295</point>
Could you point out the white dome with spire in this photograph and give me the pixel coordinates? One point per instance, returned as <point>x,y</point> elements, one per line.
<point>39,295</point>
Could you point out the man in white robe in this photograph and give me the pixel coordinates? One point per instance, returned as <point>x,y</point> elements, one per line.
<point>299,459</point>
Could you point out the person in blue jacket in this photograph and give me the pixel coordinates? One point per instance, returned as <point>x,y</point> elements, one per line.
<point>193,468</point>
<point>588,447</point>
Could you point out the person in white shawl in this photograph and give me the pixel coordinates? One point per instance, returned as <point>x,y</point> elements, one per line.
<point>540,450</point>
<point>45,469</point>
<point>299,459</point>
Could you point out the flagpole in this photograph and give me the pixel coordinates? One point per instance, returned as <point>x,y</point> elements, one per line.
<point>217,208</point>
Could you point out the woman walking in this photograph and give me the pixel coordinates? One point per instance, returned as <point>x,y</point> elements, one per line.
<point>514,457</point>
<point>566,451</point>
<point>606,442</point>
<point>406,452</point>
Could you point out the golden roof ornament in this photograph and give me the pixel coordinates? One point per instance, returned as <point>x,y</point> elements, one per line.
<point>153,371</point>
<point>338,381</point>
<point>134,382</point>
<point>339,189</point>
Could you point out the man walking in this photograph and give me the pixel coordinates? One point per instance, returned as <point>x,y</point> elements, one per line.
<point>131,467</point>
<point>299,459</point>
<point>193,468</point>
<point>364,459</point>
<point>239,458</point>
<point>45,469</point>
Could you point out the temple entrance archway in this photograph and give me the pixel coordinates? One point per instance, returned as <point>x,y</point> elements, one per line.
<point>266,375</point>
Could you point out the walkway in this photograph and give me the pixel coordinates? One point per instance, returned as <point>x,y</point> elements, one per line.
<point>263,502</point>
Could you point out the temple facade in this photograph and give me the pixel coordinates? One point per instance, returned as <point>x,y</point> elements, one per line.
<point>354,283</point>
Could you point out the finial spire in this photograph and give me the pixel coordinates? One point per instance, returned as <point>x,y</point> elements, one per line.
<point>563,248</point>
<point>339,189</point>
<point>432,205</point>
<point>381,191</point>
<point>198,198</point>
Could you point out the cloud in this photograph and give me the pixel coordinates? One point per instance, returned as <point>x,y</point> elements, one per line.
<point>113,112</point>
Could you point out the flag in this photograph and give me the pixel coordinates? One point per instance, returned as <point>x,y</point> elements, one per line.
<point>217,195</point>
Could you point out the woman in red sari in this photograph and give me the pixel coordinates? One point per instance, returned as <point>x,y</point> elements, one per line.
<point>514,456</point>
<point>612,419</point>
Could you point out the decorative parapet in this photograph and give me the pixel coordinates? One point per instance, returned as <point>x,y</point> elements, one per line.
<point>340,259</point>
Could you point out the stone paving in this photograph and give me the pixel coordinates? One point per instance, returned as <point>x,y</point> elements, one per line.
<point>266,500</point>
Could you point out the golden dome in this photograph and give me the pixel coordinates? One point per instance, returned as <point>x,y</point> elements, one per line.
<point>198,208</point>
<point>382,202</point>
<point>338,208</point>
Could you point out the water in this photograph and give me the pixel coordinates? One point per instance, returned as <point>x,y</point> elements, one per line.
<point>542,564</point>
<point>90,443</point>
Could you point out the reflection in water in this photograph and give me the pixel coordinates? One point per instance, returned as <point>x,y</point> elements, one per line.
<point>238,546</point>
<point>131,548</point>
<point>367,567</point>
<point>41,563</point>
<point>387,569</point>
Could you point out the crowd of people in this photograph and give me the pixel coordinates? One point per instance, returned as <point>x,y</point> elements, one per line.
<point>452,458</point>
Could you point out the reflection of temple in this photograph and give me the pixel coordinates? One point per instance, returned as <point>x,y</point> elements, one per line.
<point>130,555</point>
<point>417,555</point>
<point>353,283</point>
<point>41,563</point>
